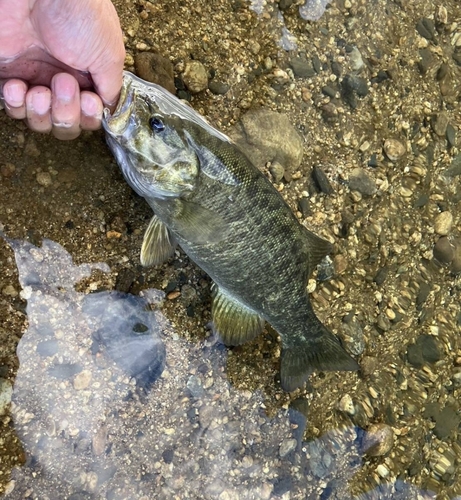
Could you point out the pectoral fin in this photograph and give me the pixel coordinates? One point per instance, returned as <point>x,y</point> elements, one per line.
<point>158,244</point>
<point>198,224</point>
<point>234,323</point>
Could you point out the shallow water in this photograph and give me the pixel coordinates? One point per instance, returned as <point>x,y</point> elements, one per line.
<point>208,421</point>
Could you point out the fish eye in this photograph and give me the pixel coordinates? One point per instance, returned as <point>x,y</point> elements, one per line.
<point>156,124</point>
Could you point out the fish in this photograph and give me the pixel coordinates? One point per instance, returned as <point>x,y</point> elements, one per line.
<point>225,214</point>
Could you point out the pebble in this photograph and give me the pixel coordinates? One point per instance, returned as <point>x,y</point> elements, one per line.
<point>424,350</point>
<point>301,67</point>
<point>321,180</point>
<point>351,86</point>
<point>346,405</point>
<point>195,76</point>
<point>426,28</point>
<point>7,169</point>
<point>426,60</point>
<point>378,440</point>
<point>218,88</point>
<point>6,391</point>
<point>44,179</point>
<point>444,251</point>
<point>277,171</point>
<point>355,59</point>
<point>443,223</point>
<point>10,291</point>
<point>439,123</point>
<point>451,135</point>
<point>446,419</point>
<point>155,68</point>
<point>304,207</point>
<point>360,181</point>
<point>394,149</point>
<point>456,263</point>
<point>382,471</point>
<point>82,380</point>
<point>287,446</point>
<point>267,136</point>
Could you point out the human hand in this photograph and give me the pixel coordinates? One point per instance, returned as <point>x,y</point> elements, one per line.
<point>52,54</point>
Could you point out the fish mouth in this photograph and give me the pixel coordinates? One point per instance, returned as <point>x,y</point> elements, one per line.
<point>116,123</point>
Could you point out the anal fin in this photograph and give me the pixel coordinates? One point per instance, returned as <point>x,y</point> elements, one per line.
<point>158,244</point>
<point>234,323</point>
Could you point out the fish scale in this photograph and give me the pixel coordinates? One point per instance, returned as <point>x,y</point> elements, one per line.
<point>229,219</point>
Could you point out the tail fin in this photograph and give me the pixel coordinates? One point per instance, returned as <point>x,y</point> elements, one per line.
<point>316,348</point>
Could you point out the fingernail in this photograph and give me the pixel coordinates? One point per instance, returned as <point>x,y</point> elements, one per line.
<point>14,94</point>
<point>64,87</point>
<point>90,105</point>
<point>40,103</point>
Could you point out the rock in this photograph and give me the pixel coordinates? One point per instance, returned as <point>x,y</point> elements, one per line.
<point>394,149</point>
<point>425,27</point>
<point>6,391</point>
<point>285,4</point>
<point>195,76</point>
<point>424,350</point>
<point>456,263</point>
<point>439,123</point>
<point>287,446</point>
<point>426,60</point>
<point>304,207</point>
<point>346,405</point>
<point>266,136</point>
<point>329,91</point>
<point>443,223</point>
<point>277,171</point>
<point>301,67</point>
<point>355,59</point>
<point>155,68</point>
<point>82,380</point>
<point>44,179</point>
<point>378,440</point>
<point>360,181</point>
<point>218,88</point>
<point>321,180</point>
<point>444,251</point>
<point>451,135</point>
<point>446,419</point>
<point>351,86</point>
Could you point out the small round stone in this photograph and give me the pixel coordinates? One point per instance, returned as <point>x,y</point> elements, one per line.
<point>44,179</point>
<point>195,77</point>
<point>378,440</point>
<point>443,223</point>
<point>444,251</point>
<point>394,149</point>
<point>346,405</point>
<point>82,380</point>
<point>287,446</point>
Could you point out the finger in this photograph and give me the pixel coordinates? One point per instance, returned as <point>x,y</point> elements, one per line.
<point>65,106</point>
<point>38,105</point>
<point>14,95</point>
<point>91,110</point>
<point>107,70</point>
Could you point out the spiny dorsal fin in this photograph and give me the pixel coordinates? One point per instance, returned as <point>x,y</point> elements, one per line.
<point>234,323</point>
<point>158,245</point>
<point>318,248</point>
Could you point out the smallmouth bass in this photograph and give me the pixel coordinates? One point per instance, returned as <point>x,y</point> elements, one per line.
<point>229,219</point>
